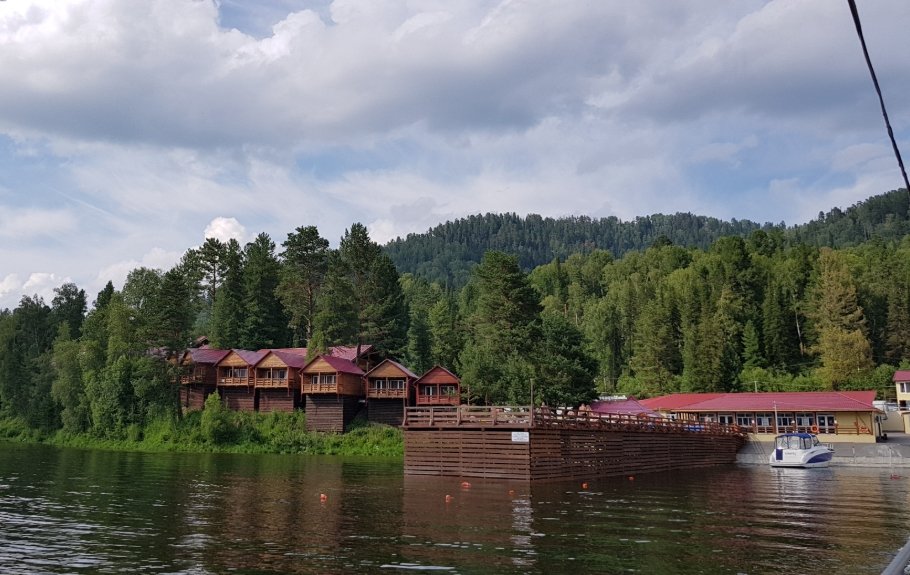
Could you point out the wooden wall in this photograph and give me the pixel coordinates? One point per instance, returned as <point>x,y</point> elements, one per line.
<point>333,413</point>
<point>388,411</point>
<point>557,454</point>
<point>193,396</point>
<point>238,398</point>
<point>278,399</point>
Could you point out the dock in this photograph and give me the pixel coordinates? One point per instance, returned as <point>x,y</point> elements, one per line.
<point>539,444</point>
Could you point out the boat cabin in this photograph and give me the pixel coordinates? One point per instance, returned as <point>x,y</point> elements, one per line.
<point>438,386</point>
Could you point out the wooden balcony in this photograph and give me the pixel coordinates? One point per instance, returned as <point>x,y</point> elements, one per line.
<point>234,381</point>
<point>319,387</point>
<point>383,393</point>
<point>273,382</point>
<point>190,379</point>
<point>438,400</point>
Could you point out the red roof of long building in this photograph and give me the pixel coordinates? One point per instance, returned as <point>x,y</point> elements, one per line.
<point>765,401</point>
<point>630,406</point>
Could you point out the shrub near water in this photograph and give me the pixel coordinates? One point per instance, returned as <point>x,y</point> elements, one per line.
<point>216,429</point>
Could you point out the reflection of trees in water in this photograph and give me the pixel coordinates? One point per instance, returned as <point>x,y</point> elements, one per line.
<point>485,526</point>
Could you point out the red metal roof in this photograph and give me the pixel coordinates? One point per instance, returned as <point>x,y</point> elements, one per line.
<point>765,401</point>
<point>349,352</point>
<point>901,375</point>
<point>676,400</point>
<point>339,364</point>
<point>251,357</point>
<point>629,406</point>
<point>208,355</point>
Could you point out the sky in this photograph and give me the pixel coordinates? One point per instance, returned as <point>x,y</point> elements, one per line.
<point>131,131</point>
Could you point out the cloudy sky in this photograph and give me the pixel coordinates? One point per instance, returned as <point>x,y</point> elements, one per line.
<point>129,131</point>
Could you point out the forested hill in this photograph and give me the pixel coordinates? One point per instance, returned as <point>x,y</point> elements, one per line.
<point>447,252</point>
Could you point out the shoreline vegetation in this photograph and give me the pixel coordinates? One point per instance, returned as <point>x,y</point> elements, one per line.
<point>224,431</point>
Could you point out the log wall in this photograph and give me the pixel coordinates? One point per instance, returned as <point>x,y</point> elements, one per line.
<point>331,413</point>
<point>278,400</point>
<point>238,398</point>
<point>557,454</point>
<point>387,411</point>
<point>193,396</point>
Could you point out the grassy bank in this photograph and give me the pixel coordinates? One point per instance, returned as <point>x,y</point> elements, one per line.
<point>224,432</point>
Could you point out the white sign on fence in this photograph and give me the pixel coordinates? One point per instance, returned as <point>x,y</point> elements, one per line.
<point>520,437</point>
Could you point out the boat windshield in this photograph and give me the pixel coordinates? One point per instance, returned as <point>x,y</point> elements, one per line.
<point>793,442</point>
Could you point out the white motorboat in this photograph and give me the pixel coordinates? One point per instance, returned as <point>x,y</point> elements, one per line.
<point>800,450</point>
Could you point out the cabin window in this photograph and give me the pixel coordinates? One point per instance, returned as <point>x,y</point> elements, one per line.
<point>904,386</point>
<point>325,378</point>
<point>784,420</point>
<point>397,384</point>
<point>430,390</point>
<point>238,372</point>
<point>826,421</point>
<point>745,419</point>
<point>281,374</point>
<point>448,390</point>
<point>804,419</point>
<point>764,419</point>
<point>725,418</point>
<point>708,417</point>
<point>378,384</point>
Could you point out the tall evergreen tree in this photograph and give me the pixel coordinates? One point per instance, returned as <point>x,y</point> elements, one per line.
<point>304,264</point>
<point>228,312</point>
<point>265,324</point>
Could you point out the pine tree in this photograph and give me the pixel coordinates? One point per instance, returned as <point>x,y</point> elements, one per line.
<point>228,312</point>
<point>304,265</point>
<point>264,322</point>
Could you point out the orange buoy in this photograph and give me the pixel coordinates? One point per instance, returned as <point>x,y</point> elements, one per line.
<point>465,485</point>
<point>323,497</point>
<point>631,478</point>
<point>511,492</point>
<point>584,485</point>
<point>449,498</point>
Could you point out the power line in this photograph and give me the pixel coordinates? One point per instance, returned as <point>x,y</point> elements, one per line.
<point>878,90</point>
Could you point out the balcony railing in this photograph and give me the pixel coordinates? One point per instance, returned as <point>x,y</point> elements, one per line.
<point>385,393</point>
<point>438,400</point>
<point>234,381</point>
<point>272,382</point>
<point>319,387</point>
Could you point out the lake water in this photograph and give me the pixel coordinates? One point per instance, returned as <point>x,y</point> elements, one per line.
<point>79,511</point>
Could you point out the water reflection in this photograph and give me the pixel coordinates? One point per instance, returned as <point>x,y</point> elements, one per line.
<point>64,511</point>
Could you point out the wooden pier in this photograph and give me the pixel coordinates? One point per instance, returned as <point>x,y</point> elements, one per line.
<point>510,442</point>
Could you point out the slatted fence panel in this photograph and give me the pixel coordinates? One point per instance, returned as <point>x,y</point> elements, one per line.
<point>332,413</point>
<point>387,411</point>
<point>278,400</point>
<point>238,398</point>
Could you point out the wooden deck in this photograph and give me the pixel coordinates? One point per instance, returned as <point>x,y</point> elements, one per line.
<point>510,442</point>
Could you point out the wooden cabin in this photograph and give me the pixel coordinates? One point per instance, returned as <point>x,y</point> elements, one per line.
<point>387,388</point>
<point>368,358</point>
<point>277,380</point>
<point>332,389</point>
<point>236,379</point>
<point>438,386</point>
<point>198,375</point>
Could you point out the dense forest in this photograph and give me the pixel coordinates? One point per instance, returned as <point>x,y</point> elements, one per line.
<point>446,253</point>
<point>820,306</point>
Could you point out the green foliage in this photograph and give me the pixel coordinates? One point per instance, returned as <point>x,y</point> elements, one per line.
<point>215,423</point>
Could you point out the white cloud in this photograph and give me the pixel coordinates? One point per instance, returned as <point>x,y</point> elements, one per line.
<point>224,229</point>
<point>42,284</point>
<point>128,127</point>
